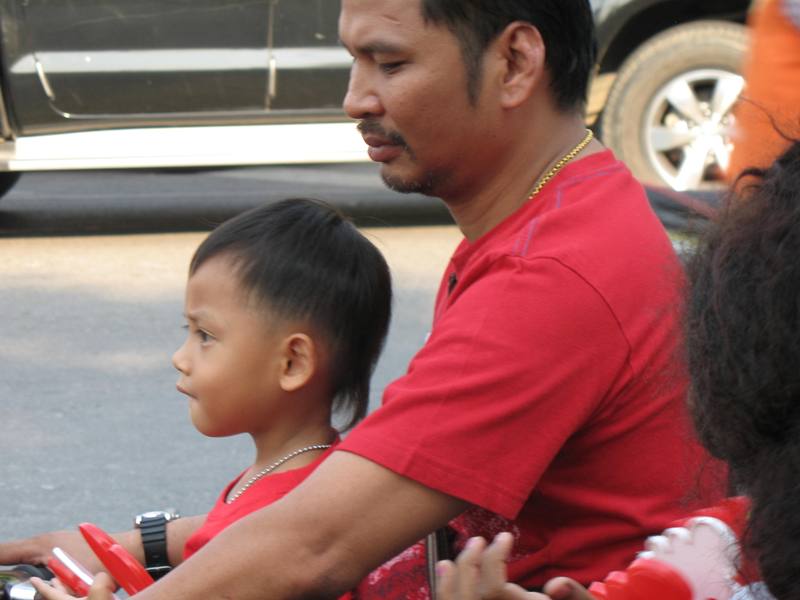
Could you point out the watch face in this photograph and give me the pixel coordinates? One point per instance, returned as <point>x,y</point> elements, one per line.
<point>153,514</point>
<point>168,515</point>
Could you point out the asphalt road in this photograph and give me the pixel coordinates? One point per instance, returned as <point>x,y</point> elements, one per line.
<point>92,269</point>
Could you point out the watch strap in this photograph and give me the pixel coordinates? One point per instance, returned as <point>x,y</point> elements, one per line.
<point>154,541</point>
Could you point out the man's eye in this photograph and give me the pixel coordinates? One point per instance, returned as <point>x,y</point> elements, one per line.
<point>204,336</point>
<point>390,67</point>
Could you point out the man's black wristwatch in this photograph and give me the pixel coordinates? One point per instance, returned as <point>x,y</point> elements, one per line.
<point>153,527</point>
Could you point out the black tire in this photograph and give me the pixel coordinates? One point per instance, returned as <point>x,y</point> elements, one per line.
<point>700,55</point>
<point>7,181</point>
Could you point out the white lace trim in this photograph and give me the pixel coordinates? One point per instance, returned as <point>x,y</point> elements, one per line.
<point>754,591</point>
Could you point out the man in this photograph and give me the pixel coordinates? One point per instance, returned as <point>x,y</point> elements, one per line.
<point>548,398</point>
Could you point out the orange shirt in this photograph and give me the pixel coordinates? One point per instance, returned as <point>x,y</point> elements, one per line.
<point>772,91</point>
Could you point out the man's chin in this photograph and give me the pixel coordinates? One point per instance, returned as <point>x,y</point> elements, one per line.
<point>408,185</point>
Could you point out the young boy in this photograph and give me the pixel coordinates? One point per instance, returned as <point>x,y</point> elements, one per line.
<point>287,308</point>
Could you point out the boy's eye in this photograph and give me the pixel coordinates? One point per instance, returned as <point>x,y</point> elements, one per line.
<point>203,336</point>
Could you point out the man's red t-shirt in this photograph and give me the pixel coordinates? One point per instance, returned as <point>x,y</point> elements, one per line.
<point>550,392</point>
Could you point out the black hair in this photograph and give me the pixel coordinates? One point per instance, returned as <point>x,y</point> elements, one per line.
<point>304,260</point>
<point>566,27</point>
<point>743,332</point>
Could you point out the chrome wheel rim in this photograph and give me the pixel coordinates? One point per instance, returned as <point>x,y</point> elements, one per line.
<point>687,128</point>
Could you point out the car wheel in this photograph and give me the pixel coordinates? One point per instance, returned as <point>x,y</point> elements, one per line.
<point>668,113</point>
<point>7,181</point>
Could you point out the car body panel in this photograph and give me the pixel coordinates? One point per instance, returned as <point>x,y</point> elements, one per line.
<point>117,83</point>
<point>109,63</point>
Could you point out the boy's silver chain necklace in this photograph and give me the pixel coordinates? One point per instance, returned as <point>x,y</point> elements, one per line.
<point>273,466</point>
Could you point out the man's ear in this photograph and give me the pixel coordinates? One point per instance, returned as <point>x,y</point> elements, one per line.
<point>298,363</point>
<point>521,50</point>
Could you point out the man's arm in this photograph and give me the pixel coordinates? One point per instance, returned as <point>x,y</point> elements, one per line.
<point>320,540</point>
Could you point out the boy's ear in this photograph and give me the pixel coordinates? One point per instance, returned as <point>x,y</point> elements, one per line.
<point>299,361</point>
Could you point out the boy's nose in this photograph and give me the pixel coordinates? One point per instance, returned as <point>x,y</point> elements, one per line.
<point>179,360</point>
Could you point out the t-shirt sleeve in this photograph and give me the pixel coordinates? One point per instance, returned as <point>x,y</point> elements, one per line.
<point>513,367</point>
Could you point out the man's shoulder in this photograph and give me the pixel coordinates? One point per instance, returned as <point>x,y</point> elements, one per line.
<point>599,175</point>
<point>592,223</point>
<point>595,208</point>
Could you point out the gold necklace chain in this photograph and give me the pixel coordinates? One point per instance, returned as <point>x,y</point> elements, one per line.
<point>273,466</point>
<point>560,164</point>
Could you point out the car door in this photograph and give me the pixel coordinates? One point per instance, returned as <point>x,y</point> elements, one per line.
<point>309,68</point>
<point>146,60</point>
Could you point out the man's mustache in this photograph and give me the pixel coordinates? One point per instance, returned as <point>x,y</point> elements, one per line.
<point>373,127</point>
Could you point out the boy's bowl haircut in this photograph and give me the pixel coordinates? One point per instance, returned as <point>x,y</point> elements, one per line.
<point>304,260</point>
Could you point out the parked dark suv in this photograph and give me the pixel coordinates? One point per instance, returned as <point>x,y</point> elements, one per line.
<point>170,83</point>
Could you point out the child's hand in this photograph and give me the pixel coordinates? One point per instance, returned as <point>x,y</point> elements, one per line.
<point>102,589</point>
<point>564,588</point>
<point>479,573</point>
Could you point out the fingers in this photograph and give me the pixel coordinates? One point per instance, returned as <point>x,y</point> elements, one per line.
<point>493,565</point>
<point>47,592</point>
<point>563,588</point>
<point>494,575</point>
<point>446,580</point>
<point>479,573</point>
<point>102,587</point>
<point>468,568</point>
<point>460,580</point>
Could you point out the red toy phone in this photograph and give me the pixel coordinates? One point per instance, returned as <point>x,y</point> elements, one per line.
<point>124,568</point>
<point>70,572</point>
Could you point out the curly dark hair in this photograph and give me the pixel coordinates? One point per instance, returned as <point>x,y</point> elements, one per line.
<point>743,334</point>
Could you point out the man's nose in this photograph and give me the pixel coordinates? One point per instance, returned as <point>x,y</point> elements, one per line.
<point>361,100</point>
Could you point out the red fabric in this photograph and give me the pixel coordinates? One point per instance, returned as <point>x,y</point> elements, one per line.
<point>263,492</point>
<point>732,511</point>
<point>550,393</point>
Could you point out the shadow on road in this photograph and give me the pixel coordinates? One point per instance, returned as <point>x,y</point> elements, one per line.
<point>111,202</point>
